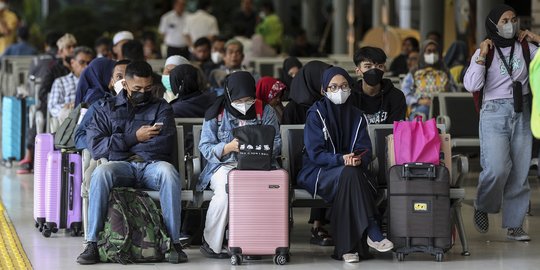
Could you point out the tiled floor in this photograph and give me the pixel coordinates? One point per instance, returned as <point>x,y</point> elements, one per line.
<point>488,251</point>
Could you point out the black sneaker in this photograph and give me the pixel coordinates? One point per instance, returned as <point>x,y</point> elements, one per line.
<point>481,221</point>
<point>209,253</point>
<point>90,255</point>
<point>517,234</point>
<point>177,255</point>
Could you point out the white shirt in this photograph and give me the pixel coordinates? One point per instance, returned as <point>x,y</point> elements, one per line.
<point>201,24</point>
<point>172,27</point>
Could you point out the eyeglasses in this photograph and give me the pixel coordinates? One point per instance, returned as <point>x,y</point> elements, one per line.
<point>334,87</point>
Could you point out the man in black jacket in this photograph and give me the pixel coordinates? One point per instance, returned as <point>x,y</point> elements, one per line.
<point>381,102</point>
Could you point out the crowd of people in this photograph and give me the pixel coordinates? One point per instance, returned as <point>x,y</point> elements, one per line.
<point>205,76</point>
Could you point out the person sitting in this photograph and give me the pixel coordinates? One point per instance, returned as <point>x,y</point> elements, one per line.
<point>380,101</point>
<point>219,147</point>
<point>291,66</point>
<point>94,81</point>
<point>201,55</point>
<point>171,62</point>
<point>64,88</point>
<point>138,154</point>
<point>191,99</point>
<point>399,64</point>
<point>22,47</point>
<point>431,77</point>
<point>333,169</point>
<point>270,91</point>
<point>456,58</point>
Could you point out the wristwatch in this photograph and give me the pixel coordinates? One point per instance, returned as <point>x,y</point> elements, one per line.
<point>480,58</point>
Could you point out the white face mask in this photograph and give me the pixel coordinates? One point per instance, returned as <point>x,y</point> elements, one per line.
<point>216,57</point>
<point>508,30</point>
<point>338,97</point>
<point>242,107</point>
<point>118,86</point>
<point>431,58</point>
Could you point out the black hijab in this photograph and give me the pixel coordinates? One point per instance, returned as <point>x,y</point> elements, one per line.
<point>239,84</point>
<point>185,81</point>
<point>306,85</point>
<point>491,26</point>
<point>289,63</point>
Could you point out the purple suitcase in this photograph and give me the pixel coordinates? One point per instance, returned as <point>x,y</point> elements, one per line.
<point>258,214</point>
<point>63,200</point>
<point>44,145</point>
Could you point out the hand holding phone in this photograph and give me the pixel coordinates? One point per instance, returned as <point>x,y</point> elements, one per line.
<point>158,125</point>
<point>358,153</point>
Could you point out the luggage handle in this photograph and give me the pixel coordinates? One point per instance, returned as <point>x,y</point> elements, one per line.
<point>418,170</point>
<point>70,192</point>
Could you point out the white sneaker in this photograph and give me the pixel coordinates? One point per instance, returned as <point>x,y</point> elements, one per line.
<point>351,257</point>
<point>382,246</point>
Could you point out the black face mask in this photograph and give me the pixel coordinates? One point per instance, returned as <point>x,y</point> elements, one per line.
<point>139,98</point>
<point>373,76</point>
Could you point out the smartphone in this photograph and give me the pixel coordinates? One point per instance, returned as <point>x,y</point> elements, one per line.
<point>358,153</point>
<point>158,124</point>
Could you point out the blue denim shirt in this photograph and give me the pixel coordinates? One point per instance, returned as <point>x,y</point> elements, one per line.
<point>112,131</point>
<point>214,139</point>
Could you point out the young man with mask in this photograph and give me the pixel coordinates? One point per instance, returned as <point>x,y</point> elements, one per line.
<point>381,102</point>
<point>138,152</point>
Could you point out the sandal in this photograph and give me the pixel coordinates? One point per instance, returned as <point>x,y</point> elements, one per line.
<point>381,246</point>
<point>321,237</point>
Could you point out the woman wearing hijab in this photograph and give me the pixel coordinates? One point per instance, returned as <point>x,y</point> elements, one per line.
<point>94,81</point>
<point>218,146</point>
<point>188,99</point>
<point>291,66</point>
<point>505,133</point>
<point>338,150</point>
<point>305,90</point>
<point>430,78</point>
<point>270,91</point>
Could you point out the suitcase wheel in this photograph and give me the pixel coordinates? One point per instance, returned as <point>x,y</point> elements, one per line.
<point>236,260</point>
<point>400,256</point>
<point>439,257</point>
<point>47,233</point>
<point>280,259</point>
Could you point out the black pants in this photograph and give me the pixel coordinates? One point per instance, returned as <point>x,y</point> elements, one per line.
<point>351,211</point>
<point>182,51</point>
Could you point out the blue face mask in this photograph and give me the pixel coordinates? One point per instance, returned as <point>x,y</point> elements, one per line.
<point>166,82</point>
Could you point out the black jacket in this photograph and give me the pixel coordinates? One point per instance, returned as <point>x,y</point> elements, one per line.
<point>384,108</point>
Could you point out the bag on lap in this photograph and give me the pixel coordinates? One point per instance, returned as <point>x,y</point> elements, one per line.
<point>256,143</point>
<point>133,231</point>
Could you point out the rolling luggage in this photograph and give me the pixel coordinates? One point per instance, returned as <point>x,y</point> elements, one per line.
<point>63,200</point>
<point>258,214</point>
<point>13,129</point>
<point>43,145</point>
<point>419,219</point>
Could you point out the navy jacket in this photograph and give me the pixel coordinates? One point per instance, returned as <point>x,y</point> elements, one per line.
<point>111,132</point>
<point>194,106</point>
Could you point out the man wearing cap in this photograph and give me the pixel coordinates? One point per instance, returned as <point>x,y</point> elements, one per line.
<point>118,40</point>
<point>172,26</point>
<point>66,44</point>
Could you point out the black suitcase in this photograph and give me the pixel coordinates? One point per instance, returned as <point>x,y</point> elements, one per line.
<point>419,200</point>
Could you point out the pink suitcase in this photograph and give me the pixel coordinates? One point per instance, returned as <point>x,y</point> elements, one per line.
<point>258,214</point>
<point>43,145</point>
<point>63,200</point>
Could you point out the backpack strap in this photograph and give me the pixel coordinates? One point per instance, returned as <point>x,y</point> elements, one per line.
<point>526,52</point>
<point>220,116</point>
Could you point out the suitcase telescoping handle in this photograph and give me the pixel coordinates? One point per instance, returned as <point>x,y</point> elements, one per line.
<point>418,170</point>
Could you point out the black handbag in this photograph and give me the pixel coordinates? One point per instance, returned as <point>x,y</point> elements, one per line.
<point>256,144</point>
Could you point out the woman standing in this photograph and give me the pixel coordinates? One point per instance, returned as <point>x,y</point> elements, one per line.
<point>505,133</point>
<point>338,150</point>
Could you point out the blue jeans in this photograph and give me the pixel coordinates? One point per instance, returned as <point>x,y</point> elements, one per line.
<point>158,175</point>
<point>505,156</point>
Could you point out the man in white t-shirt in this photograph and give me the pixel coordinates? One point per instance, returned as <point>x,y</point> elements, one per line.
<point>172,26</point>
<point>201,24</point>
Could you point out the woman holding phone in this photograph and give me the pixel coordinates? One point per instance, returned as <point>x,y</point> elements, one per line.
<point>338,150</point>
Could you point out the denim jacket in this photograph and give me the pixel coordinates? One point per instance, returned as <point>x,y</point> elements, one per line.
<point>214,139</point>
